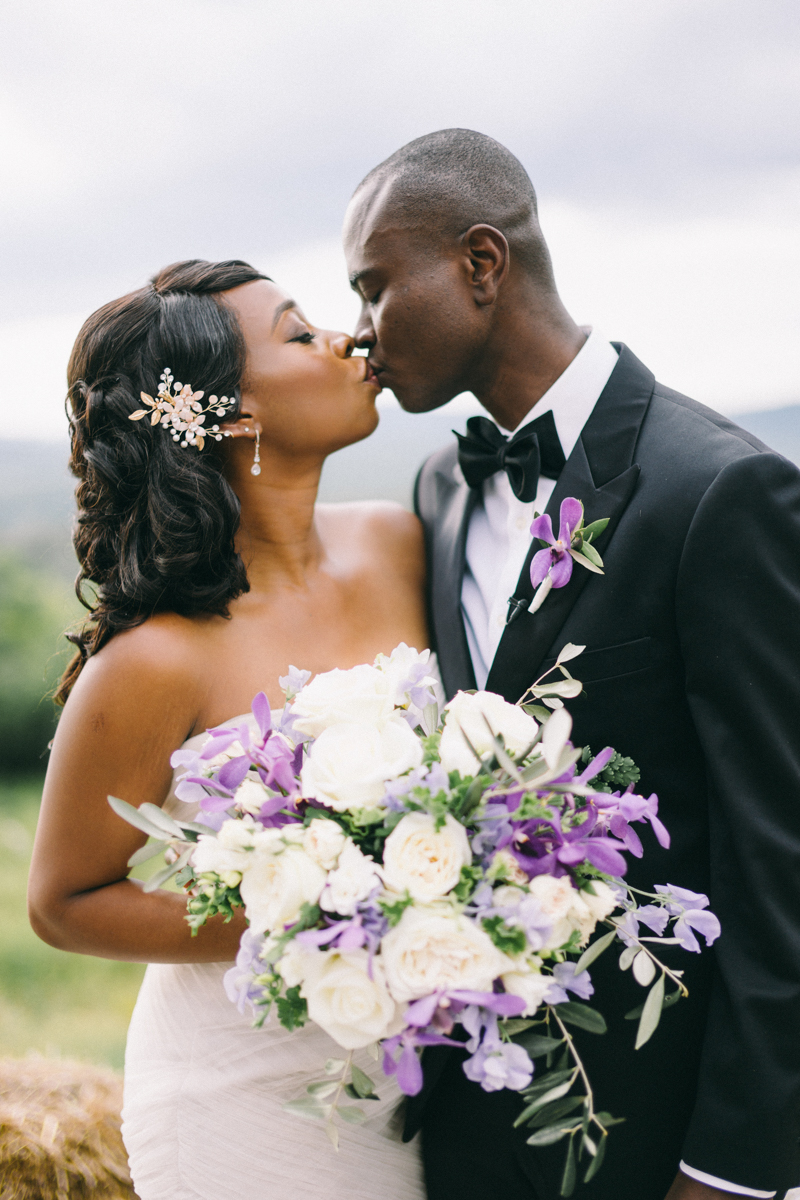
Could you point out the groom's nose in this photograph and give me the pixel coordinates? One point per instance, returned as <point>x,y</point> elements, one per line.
<point>364,334</point>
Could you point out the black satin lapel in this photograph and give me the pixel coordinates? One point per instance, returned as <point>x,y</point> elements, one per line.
<point>600,472</point>
<point>447,572</point>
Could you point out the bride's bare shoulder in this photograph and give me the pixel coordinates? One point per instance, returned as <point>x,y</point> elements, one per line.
<point>160,656</point>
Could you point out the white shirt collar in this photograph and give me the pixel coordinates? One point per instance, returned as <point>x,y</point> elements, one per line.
<point>576,391</point>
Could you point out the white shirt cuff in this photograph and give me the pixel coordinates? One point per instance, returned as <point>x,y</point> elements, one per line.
<point>723,1184</point>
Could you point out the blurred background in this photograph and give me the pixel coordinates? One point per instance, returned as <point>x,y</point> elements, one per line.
<point>662,138</point>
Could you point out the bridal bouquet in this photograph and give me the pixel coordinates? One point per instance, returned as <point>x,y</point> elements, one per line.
<point>403,876</point>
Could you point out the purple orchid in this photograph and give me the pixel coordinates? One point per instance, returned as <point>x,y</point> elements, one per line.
<point>431,1018</point>
<point>653,916</point>
<point>239,982</point>
<point>494,827</point>
<point>542,847</point>
<point>565,980</point>
<point>407,1066</point>
<point>556,562</point>
<point>689,908</point>
<point>529,916</point>
<point>494,1064</point>
<point>617,811</point>
<point>263,749</point>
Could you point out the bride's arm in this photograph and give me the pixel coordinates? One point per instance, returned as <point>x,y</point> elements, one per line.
<point>132,705</point>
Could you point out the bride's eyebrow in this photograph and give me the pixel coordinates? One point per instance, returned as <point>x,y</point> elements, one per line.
<point>280,310</point>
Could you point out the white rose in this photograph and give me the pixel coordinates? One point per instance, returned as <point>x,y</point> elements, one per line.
<point>324,841</point>
<point>423,860</point>
<point>349,764</point>
<point>603,902</point>
<point>351,1007</point>
<point>280,880</point>
<point>398,666</point>
<point>565,906</point>
<point>353,880</point>
<point>232,849</point>
<point>296,963</point>
<point>251,795</point>
<point>470,713</point>
<point>528,983</point>
<point>507,896</point>
<point>363,694</point>
<point>432,949</point>
<point>587,910</point>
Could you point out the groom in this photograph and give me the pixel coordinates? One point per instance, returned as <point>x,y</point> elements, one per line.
<point>691,667</point>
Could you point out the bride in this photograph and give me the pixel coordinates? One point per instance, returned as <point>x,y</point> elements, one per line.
<point>213,570</point>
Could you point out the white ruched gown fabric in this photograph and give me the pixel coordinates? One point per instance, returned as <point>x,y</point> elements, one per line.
<point>202,1116</point>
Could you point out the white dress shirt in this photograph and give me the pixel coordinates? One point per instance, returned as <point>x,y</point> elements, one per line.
<point>498,540</point>
<point>499,536</point>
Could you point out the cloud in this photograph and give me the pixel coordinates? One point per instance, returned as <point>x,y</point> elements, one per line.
<point>661,138</point>
<point>142,132</point>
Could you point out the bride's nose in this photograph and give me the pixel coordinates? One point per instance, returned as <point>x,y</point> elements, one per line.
<point>342,345</point>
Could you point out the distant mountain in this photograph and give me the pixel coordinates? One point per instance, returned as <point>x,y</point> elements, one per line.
<point>36,489</point>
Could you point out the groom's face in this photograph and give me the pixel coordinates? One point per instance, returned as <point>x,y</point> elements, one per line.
<point>418,319</point>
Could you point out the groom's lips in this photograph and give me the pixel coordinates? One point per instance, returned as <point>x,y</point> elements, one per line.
<point>372,375</point>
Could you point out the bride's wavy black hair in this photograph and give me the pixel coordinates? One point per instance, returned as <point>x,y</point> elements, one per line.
<point>156,521</point>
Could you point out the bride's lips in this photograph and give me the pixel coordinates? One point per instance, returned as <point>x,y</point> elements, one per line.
<point>371,376</point>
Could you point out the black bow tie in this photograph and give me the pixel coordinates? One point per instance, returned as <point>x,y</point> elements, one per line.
<point>533,451</point>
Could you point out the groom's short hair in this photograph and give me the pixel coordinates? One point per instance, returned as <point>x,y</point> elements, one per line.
<point>445,182</point>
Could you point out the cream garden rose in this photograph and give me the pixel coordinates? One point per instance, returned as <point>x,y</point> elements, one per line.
<point>280,880</point>
<point>354,1008</point>
<point>424,860</point>
<point>363,695</point>
<point>587,910</point>
<point>349,764</point>
<point>526,981</point>
<point>469,714</point>
<point>437,948</point>
<point>570,909</point>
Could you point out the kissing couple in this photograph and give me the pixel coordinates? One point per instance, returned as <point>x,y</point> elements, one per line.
<point>213,570</point>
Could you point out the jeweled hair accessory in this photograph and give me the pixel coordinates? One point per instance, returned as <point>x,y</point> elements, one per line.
<point>179,410</point>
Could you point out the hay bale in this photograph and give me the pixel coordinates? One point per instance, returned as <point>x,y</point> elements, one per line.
<point>60,1132</point>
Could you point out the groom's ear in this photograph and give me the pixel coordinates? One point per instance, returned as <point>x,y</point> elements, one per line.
<point>487,251</point>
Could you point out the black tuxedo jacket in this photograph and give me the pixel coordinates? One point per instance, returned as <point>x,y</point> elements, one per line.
<point>692,667</point>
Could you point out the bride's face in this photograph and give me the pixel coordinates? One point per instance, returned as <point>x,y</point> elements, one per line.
<point>301,383</point>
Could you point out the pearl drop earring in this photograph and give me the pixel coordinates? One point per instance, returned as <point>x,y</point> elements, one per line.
<point>256,468</point>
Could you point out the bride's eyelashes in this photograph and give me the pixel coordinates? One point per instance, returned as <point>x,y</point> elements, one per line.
<point>305,338</point>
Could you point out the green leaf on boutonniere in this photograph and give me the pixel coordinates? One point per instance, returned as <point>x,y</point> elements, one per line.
<point>595,529</point>
<point>584,561</point>
<point>590,553</point>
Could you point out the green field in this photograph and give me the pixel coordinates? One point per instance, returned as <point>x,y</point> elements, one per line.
<point>51,1003</point>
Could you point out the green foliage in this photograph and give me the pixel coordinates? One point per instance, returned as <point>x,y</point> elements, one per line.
<point>393,911</point>
<point>470,877</point>
<point>510,939</point>
<point>211,902</point>
<point>52,1003</point>
<point>292,1009</point>
<point>616,775</point>
<point>35,608</point>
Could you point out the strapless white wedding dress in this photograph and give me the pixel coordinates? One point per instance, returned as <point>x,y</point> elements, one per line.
<point>202,1117</point>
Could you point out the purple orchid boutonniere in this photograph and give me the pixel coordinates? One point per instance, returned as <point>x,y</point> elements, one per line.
<point>552,566</point>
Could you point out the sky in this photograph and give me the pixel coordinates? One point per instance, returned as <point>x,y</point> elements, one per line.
<point>662,137</point>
